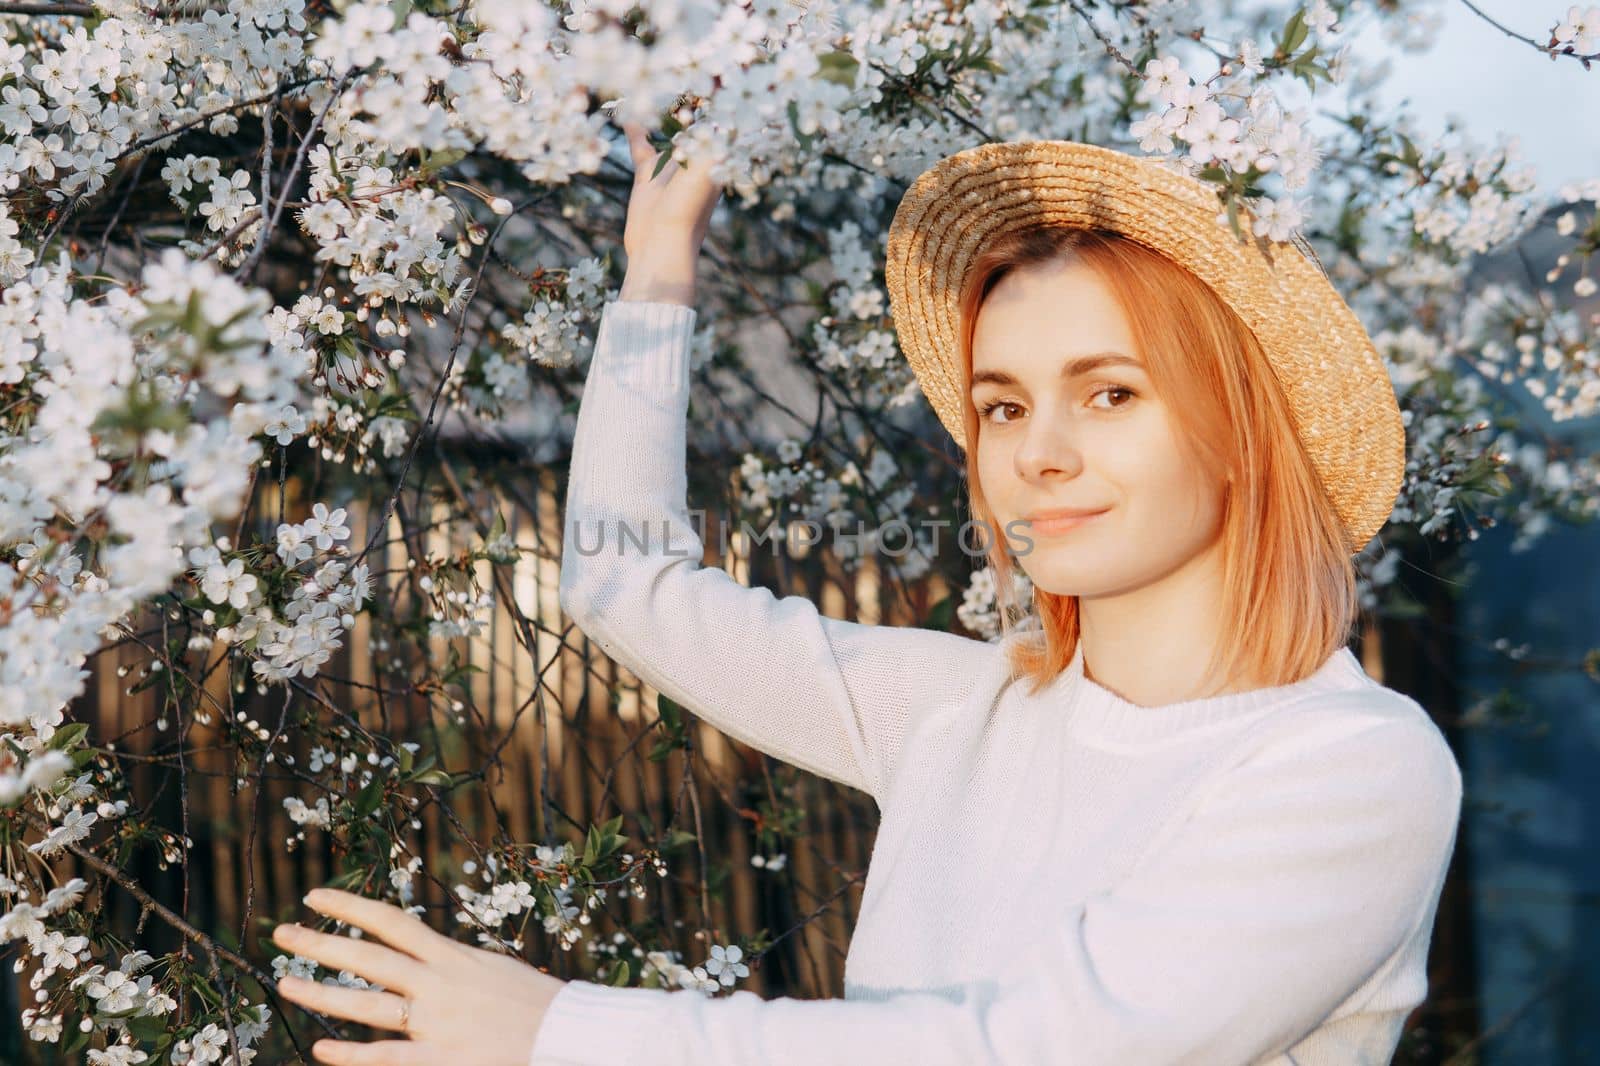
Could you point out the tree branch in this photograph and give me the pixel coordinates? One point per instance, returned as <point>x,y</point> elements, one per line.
<point>151,905</point>
<point>77,10</point>
<point>1548,50</point>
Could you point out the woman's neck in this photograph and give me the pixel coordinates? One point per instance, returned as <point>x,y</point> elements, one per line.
<point>1151,645</point>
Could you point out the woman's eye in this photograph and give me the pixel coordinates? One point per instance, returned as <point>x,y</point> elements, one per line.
<point>1113,389</point>
<point>983,412</point>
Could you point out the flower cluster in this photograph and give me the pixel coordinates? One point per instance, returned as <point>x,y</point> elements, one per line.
<point>89,448</point>
<point>1235,126</point>
<point>981,606</point>
<point>317,593</point>
<point>854,513</point>
<point>722,968</point>
<point>1578,33</point>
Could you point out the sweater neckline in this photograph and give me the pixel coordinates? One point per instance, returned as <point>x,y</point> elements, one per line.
<point>1097,713</point>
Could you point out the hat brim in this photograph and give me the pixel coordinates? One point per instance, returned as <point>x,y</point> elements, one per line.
<point>1337,387</point>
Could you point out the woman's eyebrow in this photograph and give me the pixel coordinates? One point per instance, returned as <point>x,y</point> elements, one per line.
<point>1070,369</point>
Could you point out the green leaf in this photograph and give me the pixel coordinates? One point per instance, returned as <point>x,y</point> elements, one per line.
<point>205,991</point>
<point>368,798</point>
<point>1233,218</point>
<point>350,880</point>
<point>1307,68</point>
<point>146,1027</point>
<point>1412,156</point>
<point>455,674</point>
<point>674,734</point>
<point>68,736</point>
<point>433,777</point>
<point>192,316</point>
<point>677,839</point>
<point>805,139</point>
<point>661,162</point>
<point>1294,34</point>
<point>76,1043</point>
<point>435,161</point>
<point>602,841</point>
<point>621,975</point>
<point>839,68</point>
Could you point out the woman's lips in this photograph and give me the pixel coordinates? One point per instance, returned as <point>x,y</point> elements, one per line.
<point>1048,527</point>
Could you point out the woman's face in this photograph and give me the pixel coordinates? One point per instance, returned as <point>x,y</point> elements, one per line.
<point>1074,423</point>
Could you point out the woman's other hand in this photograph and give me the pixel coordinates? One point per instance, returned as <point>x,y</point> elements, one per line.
<point>466,1004</point>
<point>668,215</point>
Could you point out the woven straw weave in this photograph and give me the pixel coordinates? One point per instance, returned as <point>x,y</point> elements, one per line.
<point>1338,390</point>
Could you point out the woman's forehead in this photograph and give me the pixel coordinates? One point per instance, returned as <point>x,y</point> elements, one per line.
<point>1063,328</point>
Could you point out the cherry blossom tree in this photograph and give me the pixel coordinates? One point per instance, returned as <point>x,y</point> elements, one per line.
<point>243,239</point>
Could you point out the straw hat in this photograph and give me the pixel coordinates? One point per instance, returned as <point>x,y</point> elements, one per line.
<point>1338,389</point>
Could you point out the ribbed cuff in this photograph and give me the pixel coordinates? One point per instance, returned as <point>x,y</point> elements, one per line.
<point>590,1024</point>
<point>646,343</point>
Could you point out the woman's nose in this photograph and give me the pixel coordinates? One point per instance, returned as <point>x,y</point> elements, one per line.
<point>1049,448</point>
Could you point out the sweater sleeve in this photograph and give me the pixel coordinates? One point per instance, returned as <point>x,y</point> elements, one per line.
<point>1285,887</point>
<point>830,696</point>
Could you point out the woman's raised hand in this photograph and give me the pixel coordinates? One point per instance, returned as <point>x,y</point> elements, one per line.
<point>455,1002</point>
<point>668,215</point>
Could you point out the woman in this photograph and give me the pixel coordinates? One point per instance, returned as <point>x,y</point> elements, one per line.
<point>1172,820</point>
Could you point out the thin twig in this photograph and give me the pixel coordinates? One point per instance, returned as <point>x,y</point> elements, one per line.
<point>288,182</point>
<point>71,10</point>
<point>1514,35</point>
<point>444,380</point>
<point>1111,49</point>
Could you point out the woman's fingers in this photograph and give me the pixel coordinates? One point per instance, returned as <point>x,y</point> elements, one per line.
<point>696,172</point>
<point>672,208</point>
<point>371,962</point>
<point>385,921</point>
<point>639,146</point>
<point>381,1010</point>
<point>380,1053</point>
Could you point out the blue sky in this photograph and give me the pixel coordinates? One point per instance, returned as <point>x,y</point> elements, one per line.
<point>1496,83</point>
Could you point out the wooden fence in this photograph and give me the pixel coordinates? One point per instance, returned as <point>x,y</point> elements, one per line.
<point>563,710</point>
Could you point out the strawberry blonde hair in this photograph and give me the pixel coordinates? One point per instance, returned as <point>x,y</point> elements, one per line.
<point>1289,586</point>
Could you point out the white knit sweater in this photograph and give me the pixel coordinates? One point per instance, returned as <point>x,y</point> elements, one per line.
<point>1069,878</point>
